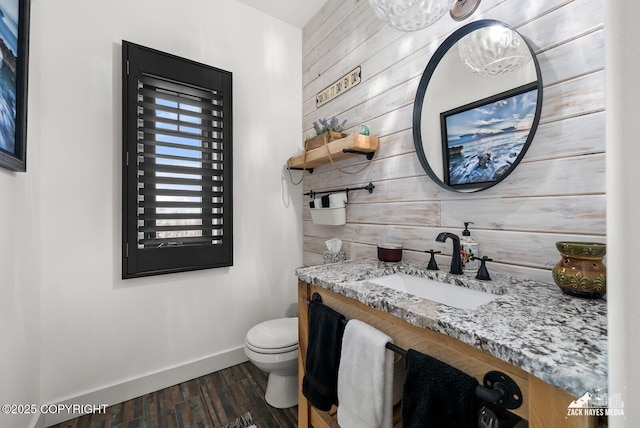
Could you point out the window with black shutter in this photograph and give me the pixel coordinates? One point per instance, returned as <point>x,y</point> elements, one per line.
<point>177,175</point>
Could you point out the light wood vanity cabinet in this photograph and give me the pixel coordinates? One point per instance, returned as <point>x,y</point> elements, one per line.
<point>544,406</point>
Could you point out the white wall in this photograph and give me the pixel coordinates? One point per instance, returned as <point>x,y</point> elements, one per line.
<point>623,206</point>
<point>97,330</point>
<point>19,292</point>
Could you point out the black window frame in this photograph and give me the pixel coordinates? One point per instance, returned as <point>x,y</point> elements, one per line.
<point>140,63</point>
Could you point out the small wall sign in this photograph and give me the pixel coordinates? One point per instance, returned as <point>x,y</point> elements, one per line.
<point>339,87</point>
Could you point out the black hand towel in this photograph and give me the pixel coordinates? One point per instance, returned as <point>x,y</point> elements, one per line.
<point>320,382</point>
<point>325,201</point>
<point>436,395</point>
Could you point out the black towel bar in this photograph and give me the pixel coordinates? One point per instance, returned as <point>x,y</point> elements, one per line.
<point>396,349</point>
<point>498,387</point>
<point>502,391</point>
<point>313,194</point>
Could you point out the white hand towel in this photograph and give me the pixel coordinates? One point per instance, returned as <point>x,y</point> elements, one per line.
<point>338,200</point>
<point>365,378</point>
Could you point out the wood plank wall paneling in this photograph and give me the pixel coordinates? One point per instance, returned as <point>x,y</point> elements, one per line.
<point>556,193</point>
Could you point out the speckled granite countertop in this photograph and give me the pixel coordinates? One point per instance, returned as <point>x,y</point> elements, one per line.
<point>533,325</point>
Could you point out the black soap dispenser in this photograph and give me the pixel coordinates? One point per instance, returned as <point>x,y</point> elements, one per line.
<point>469,250</point>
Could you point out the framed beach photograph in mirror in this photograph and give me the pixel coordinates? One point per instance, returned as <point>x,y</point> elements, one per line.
<point>483,140</point>
<point>14,48</point>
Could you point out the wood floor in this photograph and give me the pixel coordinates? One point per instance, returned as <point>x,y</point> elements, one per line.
<point>211,401</point>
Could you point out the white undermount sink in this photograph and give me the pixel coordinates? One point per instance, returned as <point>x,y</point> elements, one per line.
<point>447,294</point>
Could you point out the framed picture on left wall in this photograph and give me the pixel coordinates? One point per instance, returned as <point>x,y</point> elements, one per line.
<point>14,71</point>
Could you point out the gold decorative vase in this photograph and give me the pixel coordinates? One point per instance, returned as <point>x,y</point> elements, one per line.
<point>581,272</point>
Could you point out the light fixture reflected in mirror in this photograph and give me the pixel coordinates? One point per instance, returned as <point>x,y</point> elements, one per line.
<point>493,50</point>
<point>413,15</point>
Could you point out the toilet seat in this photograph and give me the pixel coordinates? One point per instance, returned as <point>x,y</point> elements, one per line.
<point>272,350</point>
<point>274,336</point>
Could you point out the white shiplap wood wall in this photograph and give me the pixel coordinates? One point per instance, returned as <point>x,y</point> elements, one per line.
<point>556,193</point>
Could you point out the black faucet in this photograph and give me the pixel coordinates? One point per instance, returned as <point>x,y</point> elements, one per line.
<point>456,261</point>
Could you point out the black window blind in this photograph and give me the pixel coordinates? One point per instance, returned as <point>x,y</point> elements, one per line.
<point>180,152</point>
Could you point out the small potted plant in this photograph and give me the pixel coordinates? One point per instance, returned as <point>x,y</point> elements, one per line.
<point>326,131</point>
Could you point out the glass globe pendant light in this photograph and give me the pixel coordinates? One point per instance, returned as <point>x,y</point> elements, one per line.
<point>413,15</point>
<point>493,51</point>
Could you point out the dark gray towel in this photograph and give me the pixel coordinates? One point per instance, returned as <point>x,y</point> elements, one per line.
<point>320,382</point>
<point>436,395</point>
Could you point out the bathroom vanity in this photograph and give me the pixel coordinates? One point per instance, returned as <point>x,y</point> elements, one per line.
<point>552,345</point>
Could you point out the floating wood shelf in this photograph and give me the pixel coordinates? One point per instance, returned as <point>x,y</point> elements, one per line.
<point>345,147</point>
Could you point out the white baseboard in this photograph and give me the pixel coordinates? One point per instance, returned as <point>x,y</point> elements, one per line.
<point>144,385</point>
<point>38,421</point>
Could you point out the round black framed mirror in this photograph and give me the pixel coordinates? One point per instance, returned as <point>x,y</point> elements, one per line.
<point>477,106</point>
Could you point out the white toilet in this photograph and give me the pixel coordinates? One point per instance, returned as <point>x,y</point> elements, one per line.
<point>272,346</point>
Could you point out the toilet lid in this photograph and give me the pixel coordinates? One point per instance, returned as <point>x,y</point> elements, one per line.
<point>274,335</point>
